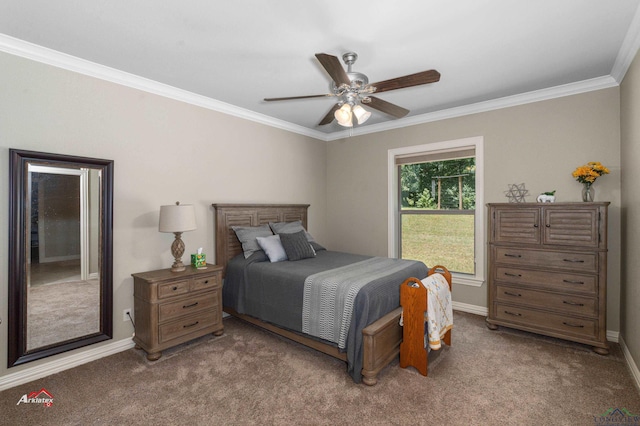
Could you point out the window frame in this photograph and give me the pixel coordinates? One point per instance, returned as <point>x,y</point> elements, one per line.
<point>393,226</point>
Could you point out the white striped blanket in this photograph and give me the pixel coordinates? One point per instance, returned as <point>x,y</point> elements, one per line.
<point>329,296</point>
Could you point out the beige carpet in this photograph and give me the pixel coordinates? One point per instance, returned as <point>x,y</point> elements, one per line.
<point>250,377</point>
<point>62,311</point>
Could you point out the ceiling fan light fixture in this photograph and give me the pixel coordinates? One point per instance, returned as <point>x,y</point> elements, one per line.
<point>343,115</point>
<point>361,114</point>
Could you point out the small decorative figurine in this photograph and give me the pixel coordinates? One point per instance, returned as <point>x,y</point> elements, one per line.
<point>547,197</point>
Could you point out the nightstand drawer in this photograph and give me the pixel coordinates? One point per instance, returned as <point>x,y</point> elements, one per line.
<point>204,282</point>
<point>563,303</point>
<point>532,318</point>
<point>187,325</point>
<point>168,311</point>
<point>578,262</point>
<point>173,288</point>
<point>556,281</point>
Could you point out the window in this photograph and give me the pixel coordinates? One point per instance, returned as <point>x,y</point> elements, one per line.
<point>437,209</point>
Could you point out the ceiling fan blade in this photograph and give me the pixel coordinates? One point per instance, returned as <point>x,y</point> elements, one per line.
<point>329,117</point>
<point>297,97</point>
<point>387,107</point>
<point>333,67</point>
<point>410,80</point>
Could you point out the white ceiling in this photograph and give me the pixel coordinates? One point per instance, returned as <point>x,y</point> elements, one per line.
<point>229,55</point>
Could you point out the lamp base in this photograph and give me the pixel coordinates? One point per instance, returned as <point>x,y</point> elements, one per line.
<point>178,266</point>
<point>177,250</point>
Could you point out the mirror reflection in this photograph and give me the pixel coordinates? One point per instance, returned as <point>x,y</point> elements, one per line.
<point>62,251</point>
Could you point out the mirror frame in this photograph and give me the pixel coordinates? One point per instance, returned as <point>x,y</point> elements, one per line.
<point>17,320</point>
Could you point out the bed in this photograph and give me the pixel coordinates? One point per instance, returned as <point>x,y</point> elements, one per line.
<point>255,291</point>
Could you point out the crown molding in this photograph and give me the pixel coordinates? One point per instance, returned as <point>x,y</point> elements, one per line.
<point>57,59</point>
<point>628,50</point>
<point>494,104</point>
<point>54,58</point>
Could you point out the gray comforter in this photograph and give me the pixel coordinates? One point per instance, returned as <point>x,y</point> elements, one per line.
<point>273,292</point>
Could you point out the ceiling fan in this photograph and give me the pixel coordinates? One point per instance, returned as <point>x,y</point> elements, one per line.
<point>353,89</point>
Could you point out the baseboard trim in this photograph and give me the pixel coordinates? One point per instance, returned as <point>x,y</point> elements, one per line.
<point>472,309</point>
<point>631,363</point>
<point>613,336</point>
<point>65,363</point>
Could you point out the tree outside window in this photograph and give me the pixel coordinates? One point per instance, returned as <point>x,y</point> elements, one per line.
<point>437,208</point>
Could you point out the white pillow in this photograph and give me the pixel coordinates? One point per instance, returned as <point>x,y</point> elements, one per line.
<point>272,246</point>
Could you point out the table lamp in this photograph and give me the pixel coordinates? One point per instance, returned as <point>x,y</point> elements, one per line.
<point>177,218</point>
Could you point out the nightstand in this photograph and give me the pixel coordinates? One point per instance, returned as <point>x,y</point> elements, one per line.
<point>171,308</point>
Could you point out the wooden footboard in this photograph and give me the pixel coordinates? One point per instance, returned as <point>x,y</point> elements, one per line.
<point>381,341</point>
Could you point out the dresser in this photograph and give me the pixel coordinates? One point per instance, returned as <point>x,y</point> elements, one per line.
<point>547,266</point>
<point>171,308</point>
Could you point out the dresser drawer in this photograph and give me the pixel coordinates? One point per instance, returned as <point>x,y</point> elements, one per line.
<point>559,323</point>
<point>557,281</point>
<point>170,310</point>
<point>579,262</point>
<point>173,288</point>
<point>563,303</point>
<point>187,325</point>
<point>204,282</point>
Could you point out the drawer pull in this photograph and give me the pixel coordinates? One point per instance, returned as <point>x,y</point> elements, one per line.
<point>190,306</point>
<point>174,288</point>
<point>573,325</point>
<point>512,294</point>
<point>535,225</point>
<point>206,282</point>
<point>572,303</point>
<point>512,275</point>
<point>191,325</point>
<point>574,260</point>
<point>572,282</point>
<point>512,255</point>
<point>515,314</point>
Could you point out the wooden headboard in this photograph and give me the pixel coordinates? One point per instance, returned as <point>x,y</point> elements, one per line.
<point>228,215</point>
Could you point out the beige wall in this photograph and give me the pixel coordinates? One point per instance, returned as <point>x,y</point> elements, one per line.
<point>164,151</point>
<point>630,291</point>
<point>539,144</point>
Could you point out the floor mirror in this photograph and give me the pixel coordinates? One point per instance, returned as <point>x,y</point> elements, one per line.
<point>60,254</point>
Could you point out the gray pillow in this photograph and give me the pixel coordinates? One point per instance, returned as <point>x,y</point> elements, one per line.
<point>289,228</point>
<point>247,236</point>
<point>296,246</point>
<point>272,246</point>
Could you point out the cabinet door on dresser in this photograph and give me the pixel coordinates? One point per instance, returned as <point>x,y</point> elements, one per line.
<point>519,226</point>
<point>577,226</point>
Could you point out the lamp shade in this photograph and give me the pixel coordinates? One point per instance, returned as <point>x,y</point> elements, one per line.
<point>361,114</point>
<point>343,115</point>
<point>177,218</point>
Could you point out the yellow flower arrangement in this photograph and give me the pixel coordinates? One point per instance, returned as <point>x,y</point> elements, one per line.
<point>590,172</point>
